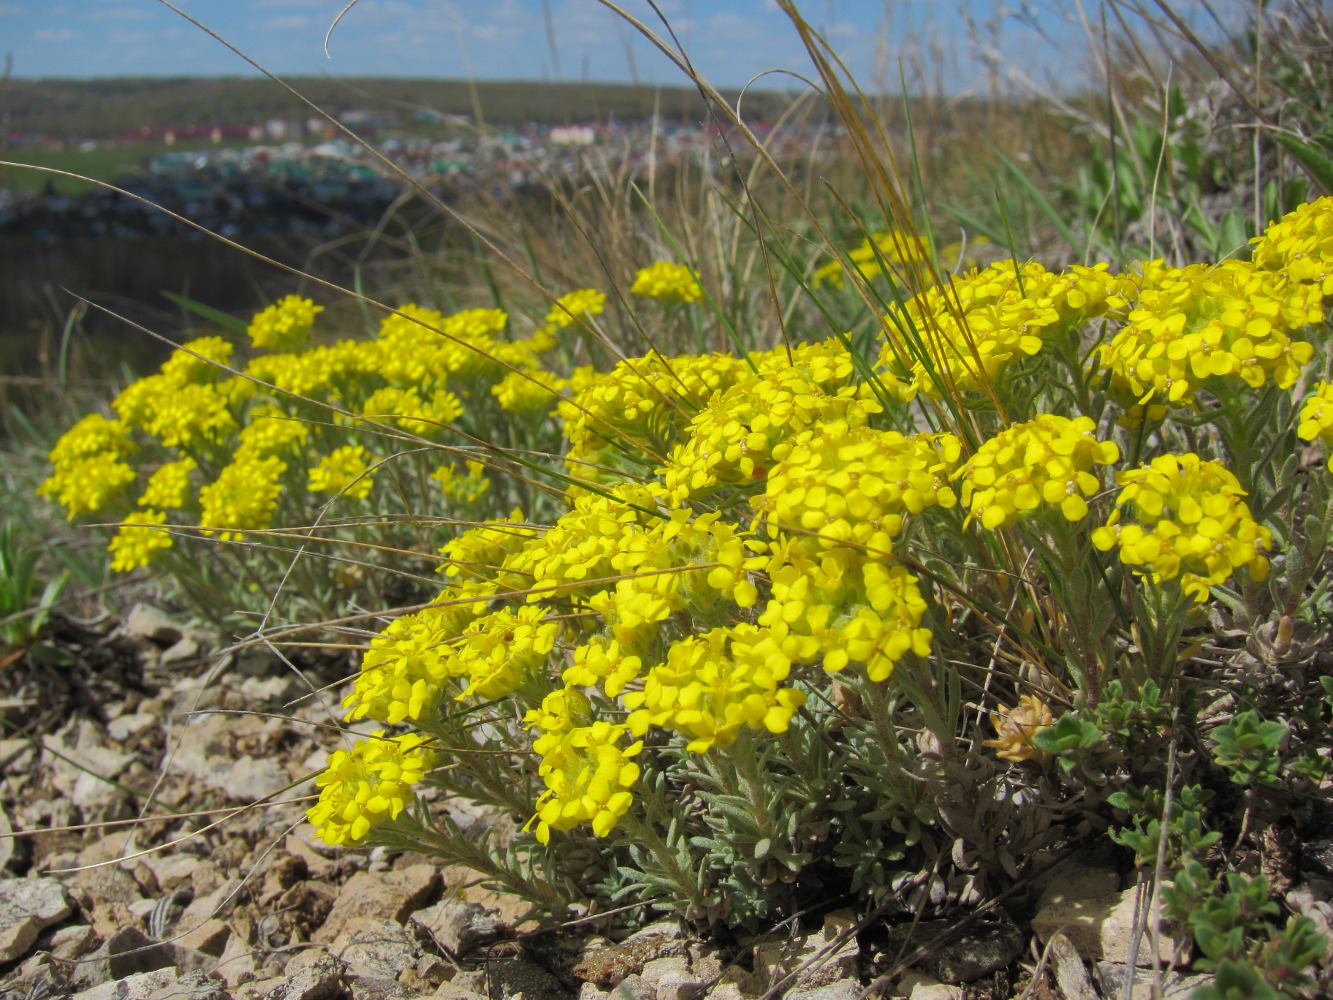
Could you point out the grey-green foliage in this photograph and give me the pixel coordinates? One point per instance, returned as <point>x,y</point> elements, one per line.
<point>26,600</point>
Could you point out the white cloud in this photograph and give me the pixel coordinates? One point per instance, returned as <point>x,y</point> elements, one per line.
<point>9,8</point>
<point>288,22</point>
<point>52,35</point>
<point>118,14</point>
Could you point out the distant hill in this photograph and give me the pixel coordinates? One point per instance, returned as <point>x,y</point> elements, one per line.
<point>103,108</point>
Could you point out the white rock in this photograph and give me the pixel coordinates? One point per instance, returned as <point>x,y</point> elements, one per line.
<point>919,987</point>
<point>123,727</point>
<point>42,899</point>
<point>16,937</point>
<point>148,622</point>
<point>80,764</point>
<point>375,948</point>
<point>253,778</point>
<point>141,985</point>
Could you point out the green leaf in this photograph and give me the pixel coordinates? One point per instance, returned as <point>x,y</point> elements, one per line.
<point>1316,162</point>
<point>224,320</point>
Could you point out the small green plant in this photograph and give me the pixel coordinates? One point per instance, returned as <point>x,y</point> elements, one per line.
<point>26,602</point>
<point>1248,748</point>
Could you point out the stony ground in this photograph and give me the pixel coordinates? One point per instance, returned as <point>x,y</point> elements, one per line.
<point>157,793</point>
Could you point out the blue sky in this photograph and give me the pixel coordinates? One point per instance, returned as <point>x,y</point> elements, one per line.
<point>728,40</point>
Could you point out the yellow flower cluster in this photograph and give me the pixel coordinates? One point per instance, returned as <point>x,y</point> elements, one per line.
<point>588,777</point>
<point>465,489</point>
<point>714,684</point>
<point>576,307</point>
<point>1188,325</point>
<point>896,247</point>
<point>1045,461</point>
<point>87,468</point>
<point>667,282</point>
<point>404,670</point>
<point>900,250</point>
<point>169,487</point>
<point>1188,523</point>
<point>284,325</point>
<point>732,440</point>
<point>970,328</point>
<point>242,498</point>
<point>643,403</point>
<point>136,541</point>
<point>344,472</point>
<point>847,484</point>
<point>1300,246</point>
<point>424,372</point>
<point>1316,419</point>
<point>362,787</point>
<point>409,411</point>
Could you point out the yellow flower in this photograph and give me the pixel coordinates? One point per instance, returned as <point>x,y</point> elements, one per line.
<point>561,712</point>
<point>1046,461</point>
<point>284,325</point>
<point>169,486</point>
<point>667,282</point>
<point>1300,246</point>
<point>86,485</point>
<point>497,650</point>
<point>576,307</point>
<point>135,543</point>
<point>588,778</point>
<point>405,668</point>
<point>87,471</point>
<point>361,788</point>
<point>530,390</point>
<point>182,416</point>
<point>1188,325</point>
<point>242,498</point>
<point>601,661</point>
<point>1014,728</point>
<point>1316,420</point>
<point>270,432</point>
<point>712,685</point>
<point>344,472</point>
<point>462,488</point>
<point>197,362</point>
<point>976,324</point>
<point>1189,523</point>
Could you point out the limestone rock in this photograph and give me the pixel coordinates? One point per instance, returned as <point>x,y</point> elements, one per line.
<point>843,989</point>
<point>6,840</point>
<point>124,727</point>
<point>920,987</point>
<point>237,964</point>
<point>254,778</point>
<point>810,960</point>
<point>1112,975</point>
<point>963,952</point>
<point>510,979</point>
<point>392,895</point>
<point>1100,926</point>
<point>375,948</point>
<point>27,907</point>
<point>16,938</point>
<point>459,926</point>
<point>71,942</point>
<point>210,937</point>
<point>382,989</point>
<point>1071,976</point>
<point>148,622</point>
<point>142,984</point>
